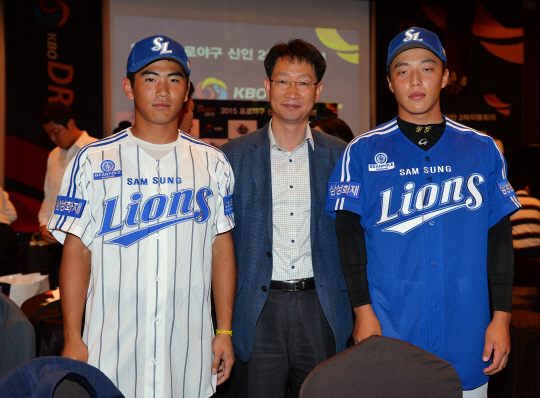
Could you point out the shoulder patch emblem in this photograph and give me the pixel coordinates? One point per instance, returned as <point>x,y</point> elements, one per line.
<point>505,188</point>
<point>228,205</point>
<point>66,206</point>
<point>338,190</point>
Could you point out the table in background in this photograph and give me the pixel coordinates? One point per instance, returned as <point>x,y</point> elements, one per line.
<point>48,325</point>
<point>44,259</point>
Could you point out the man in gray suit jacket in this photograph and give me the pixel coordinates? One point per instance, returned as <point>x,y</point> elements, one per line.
<point>292,309</point>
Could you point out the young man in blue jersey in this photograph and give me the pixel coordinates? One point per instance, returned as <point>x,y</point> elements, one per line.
<point>422,207</point>
<point>145,217</point>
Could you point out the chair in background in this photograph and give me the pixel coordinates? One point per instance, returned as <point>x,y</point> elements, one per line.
<point>383,367</point>
<point>57,377</point>
<point>17,340</point>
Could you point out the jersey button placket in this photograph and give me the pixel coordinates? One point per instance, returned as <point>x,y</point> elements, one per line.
<point>158,170</point>
<point>435,282</point>
<point>157,303</point>
<point>430,249</point>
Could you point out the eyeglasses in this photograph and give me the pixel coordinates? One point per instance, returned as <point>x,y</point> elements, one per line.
<point>284,84</point>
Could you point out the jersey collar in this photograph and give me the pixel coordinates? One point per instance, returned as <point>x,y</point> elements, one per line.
<point>273,142</point>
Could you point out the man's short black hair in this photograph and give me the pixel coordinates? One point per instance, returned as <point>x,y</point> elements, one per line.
<point>295,50</point>
<point>334,126</point>
<point>56,112</point>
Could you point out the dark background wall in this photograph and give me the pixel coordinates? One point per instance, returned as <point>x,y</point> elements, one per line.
<point>53,52</point>
<point>58,45</point>
<point>492,51</point>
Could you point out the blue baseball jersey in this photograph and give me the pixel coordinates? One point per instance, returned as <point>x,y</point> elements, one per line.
<point>426,216</point>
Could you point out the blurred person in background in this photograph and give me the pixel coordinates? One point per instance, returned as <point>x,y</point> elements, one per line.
<point>124,124</point>
<point>333,126</point>
<point>526,222</point>
<point>58,122</point>
<point>8,239</point>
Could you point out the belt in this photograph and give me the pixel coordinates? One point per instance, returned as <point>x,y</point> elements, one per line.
<point>293,286</point>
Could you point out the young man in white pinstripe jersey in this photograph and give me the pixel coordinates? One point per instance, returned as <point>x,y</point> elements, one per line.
<point>145,217</point>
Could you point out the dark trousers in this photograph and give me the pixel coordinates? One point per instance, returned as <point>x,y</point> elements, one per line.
<point>292,336</point>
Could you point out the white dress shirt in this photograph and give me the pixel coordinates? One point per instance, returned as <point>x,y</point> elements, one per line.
<point>291,210</point>
<point>56,166</point>
<point>8,214</point>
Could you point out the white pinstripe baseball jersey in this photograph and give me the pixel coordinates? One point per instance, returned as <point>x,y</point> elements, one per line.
<point>150,225</point>
<point>426,216</point>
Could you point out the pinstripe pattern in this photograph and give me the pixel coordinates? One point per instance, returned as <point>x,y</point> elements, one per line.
<point>137,283</point>
<point>202,310</point>
<point>119,278</point>
<point>174,286</point>
<point>189,292</point>
<point>157,289</point>
<point>102,273</point>
<point>148,324</point>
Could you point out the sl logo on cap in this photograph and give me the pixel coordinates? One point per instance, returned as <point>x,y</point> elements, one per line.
<point>159,45</point>
<point>410,36</point>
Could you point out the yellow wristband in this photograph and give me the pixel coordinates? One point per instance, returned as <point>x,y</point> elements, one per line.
<point>229,332</point>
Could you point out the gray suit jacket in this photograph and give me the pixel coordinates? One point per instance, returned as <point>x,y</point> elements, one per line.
<point>252,201</point>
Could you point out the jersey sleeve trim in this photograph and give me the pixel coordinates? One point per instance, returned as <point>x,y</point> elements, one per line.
<point>461,127</point>
<point>345,165</point>
<point>225,227</point>
<point>60,234</point>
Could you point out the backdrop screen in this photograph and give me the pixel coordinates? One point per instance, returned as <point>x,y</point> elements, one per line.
<point>227,59</point>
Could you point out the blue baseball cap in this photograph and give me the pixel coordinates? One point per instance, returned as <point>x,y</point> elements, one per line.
<point>415,38</point>
<point>153,48</point>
